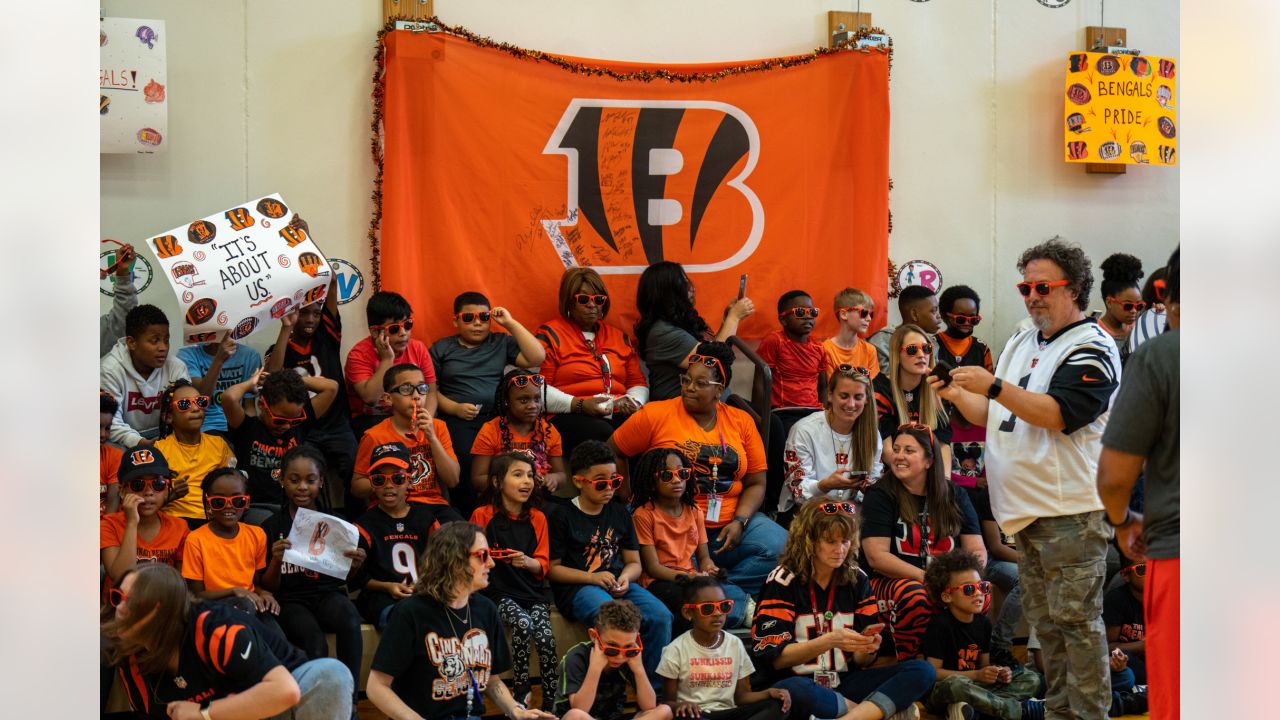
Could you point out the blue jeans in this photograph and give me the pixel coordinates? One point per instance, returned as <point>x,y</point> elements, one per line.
<point>809,698</point>
<point>327,689</point>
<point>890,688</point>
<point>655,625</point>
<point>756,555</point>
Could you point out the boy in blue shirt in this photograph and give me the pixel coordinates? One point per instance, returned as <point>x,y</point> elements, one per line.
<point>214,367</point>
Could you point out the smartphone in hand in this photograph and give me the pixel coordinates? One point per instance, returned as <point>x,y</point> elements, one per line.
<point>742,286</point>
<point>942,370</point>
<point>875,629</point>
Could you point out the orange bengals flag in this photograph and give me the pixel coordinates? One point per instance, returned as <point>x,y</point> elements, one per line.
<point>501,171</point>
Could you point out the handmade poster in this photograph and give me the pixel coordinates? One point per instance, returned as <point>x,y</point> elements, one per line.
<point>1121,109</point>
<point>240,269</point>
<point>319,541</point>
<point>133,98</point>
<point>501,169</point>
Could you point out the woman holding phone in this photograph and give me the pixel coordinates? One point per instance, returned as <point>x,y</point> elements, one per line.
<point>903,394</point>
<point>817,621</point>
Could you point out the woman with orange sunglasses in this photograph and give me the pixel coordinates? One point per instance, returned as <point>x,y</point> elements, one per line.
<point>903,393</point>
<point>1120,275</point>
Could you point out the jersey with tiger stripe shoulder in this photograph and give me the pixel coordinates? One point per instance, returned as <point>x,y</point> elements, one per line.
<point>786,614</point>
<point>223,651</point>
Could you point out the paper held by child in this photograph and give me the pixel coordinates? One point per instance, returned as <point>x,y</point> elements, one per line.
<point>320,542</point>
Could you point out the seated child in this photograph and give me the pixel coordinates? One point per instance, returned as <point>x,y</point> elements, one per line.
<point>849,346</point>
<point>311,603</point>
<point>216,366</point>
<point>389,343</point>
<point>139,532</point>
<point>796,361</point>
<point>595,675</point>
<point>136,371</point>
<point>224,558</point>
<point>468,366</point>
<point>1002,570</point>
<point>286,410</point>
<point>393,535</point>
<point>958,642</point>
<point>108,457</point>
<point>520,424</point>
<point>192,453</point>
<point>519,543</point>
<point>427,438</point>
<point>671,533</point>
<point>706,671</point>
<point>594,556</point>
<point>1122,613</point>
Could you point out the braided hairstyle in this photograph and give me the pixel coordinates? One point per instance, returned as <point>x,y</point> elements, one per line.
<point>166,406</point>
<point>644,481</point>
<point>541,427</point>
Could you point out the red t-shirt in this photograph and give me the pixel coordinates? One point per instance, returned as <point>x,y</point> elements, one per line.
<point>489,442</point>
<point>572,367</point>
<point>362,363</point>
<point>795,369</point>
<point>109,458</point>
<point>733,447</point>
<point>424,482</point>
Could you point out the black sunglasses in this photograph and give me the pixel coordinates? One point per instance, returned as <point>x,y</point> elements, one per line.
<point>469,317</point>
<point>158,484</point>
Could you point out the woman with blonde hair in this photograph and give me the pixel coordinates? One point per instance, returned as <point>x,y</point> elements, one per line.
<point>903,393</point>
<point>444,645</point>
<point>816,628</point>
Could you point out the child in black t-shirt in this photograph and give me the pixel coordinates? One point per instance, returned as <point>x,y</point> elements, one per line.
<point>311,603</point>
<point>1122,613</point>
<point>286,411</point>
<point>595,675</point>
<point>958,642</point>
<point>519,543</point>
<point>393,535</point>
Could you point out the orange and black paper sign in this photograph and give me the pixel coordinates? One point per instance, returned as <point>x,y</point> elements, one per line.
<point>501,171</point>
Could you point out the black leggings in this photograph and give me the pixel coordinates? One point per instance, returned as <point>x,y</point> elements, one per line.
<point>530,627</point>
<point>306,620</point>
<point>760,710</point>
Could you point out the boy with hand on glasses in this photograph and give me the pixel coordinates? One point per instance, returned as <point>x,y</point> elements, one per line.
<point>286,408</point>
<point>139,532</point>
<point>390,343</point>
<point>849,345</point>
<point>469,366</point>
<point>433,462</point>
<point>595,675</point>
<point>595,557</point>
<point>958,644</point>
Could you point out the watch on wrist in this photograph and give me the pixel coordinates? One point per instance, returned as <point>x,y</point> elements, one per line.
<point>1128,518</point>
<point>996,386</point>
<point>744,520</point>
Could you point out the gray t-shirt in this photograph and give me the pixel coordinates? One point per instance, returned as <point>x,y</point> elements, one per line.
<point>666,347</point>
<point>471,375</point>
<point>1144,421</point>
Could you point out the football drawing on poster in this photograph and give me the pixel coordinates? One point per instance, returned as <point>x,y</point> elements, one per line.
<point>1121,109</point>
<point>240,269</point>
<point>132,98</point>
<point>320,542</point>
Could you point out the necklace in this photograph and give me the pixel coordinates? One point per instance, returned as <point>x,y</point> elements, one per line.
<point>472,691</point>
<point>717,642</point>
<point>841,447</point>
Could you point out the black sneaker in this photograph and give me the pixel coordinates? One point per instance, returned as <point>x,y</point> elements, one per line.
<point>1134,703</point>
<point>1032,710</point>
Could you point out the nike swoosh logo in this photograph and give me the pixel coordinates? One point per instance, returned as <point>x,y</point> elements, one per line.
<point>245,655</point>
<point>1086,378</point>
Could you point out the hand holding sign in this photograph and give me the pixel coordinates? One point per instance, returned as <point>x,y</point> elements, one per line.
<point>321,542</point>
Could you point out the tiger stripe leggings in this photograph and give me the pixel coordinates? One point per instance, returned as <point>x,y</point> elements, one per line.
<point>529,627</point>
<point>906,608</point>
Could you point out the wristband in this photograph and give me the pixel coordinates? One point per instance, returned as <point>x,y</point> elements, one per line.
<point>744,520</point>
<point>1128,519</point>
<point>996,386</point>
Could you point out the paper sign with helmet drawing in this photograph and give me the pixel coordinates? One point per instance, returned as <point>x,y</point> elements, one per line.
<point>240,269</point>
<point>1121,109</point>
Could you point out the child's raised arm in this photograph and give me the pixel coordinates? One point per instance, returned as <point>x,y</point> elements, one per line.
<point>325,390</point>
<point>233,396</point>
<point>531,351</point>
<point>206,383</point>
<point>275,359</point>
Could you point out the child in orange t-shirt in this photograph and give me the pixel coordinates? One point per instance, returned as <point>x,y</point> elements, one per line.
<point>108,457</point>
<point>671,533</point>
<point>520,425</point>
<point>854,309</point>
<point>224,558</point>
<point>139,532</point>
<point>427,439</point>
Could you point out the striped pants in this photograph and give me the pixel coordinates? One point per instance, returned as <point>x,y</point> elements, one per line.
<point>905,607</point>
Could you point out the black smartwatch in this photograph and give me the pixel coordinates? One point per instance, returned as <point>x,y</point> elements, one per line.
<point>744,520</point>
<point>996,386</point>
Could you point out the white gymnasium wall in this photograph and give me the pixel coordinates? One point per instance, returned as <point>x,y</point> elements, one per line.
<point>273,96</point>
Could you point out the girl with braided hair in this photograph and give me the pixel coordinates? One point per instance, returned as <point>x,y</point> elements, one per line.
<point>192,454</point>
<point>520,423</point>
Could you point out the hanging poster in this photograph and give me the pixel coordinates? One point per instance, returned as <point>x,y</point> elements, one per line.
<point>1121,109</point>
<point>241,268</point>
<point>132,98</point>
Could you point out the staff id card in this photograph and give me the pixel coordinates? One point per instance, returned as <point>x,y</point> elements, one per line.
<point>713,508</point>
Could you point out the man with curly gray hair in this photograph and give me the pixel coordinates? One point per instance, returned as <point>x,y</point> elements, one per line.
<point>1045,409</point>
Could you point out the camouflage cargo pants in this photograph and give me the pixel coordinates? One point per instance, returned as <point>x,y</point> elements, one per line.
<point>994,699</point>
<point>1063,565</point>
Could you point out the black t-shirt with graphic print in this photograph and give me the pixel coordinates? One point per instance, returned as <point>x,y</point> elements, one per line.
<point>438,655</point>
<point>957,644</point>
<point>591,543</point>
<point>322,357</point>
<point>1121,608</point>
<point>880,518</point>
<point>258,453</point>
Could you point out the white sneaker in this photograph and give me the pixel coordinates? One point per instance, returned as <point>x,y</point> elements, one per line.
<point>960,711</point>
<point>911,712</point>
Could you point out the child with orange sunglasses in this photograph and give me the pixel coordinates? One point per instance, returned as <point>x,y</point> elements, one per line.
<point>191,452</point>
<point>285,410</point>
<point>595,675</point>
<point>521,424</point>
<point>139,532</point>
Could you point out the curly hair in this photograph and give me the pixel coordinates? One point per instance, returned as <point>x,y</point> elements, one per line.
<point>286,386</point>
<point>541,432</point>
<point>937,577</point>
<point>1120,271</point>
<point>446,562</point>
<point>644,481</point>
<point>107,403</point>
<point>166,406</point>
<point>159,586</point>
<point>618,615</point>
<point>810,526</point>
<point>581,280</point>
<point>663,294</point>
<point>141,317</point>
<point>1149,287</point>
<point>940,495</point>
<point>1074,263</point>
<point>498,470</point>
<point>948,298</point>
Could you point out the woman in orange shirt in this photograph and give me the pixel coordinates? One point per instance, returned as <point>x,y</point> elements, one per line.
<point>723,446</point>
<point>593,374</point>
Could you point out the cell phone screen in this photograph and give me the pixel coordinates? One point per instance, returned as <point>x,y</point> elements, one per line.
<point>742,286</point>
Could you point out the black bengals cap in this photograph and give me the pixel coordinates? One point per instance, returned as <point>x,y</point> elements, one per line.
<point>141,461</point>
<point>392,453</point>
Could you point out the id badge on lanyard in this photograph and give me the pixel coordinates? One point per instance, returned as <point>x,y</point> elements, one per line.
<point>713,498</point>
<point>822,622</point>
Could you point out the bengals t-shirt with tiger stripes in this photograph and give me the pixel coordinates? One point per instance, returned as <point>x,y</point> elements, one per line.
<point>489,442</point>
<point>424,481</point>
